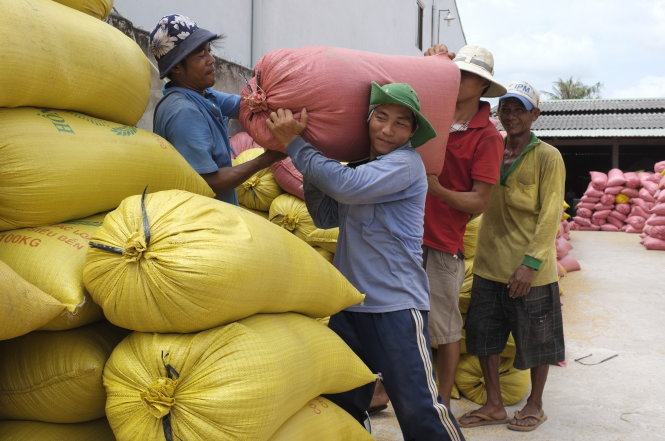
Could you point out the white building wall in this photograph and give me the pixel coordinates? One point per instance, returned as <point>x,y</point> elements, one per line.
<point>255,27</point>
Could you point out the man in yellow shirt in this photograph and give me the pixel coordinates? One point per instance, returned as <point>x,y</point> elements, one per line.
<point>515,286</point>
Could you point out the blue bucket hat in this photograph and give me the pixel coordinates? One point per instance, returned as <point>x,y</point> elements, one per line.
<point>175,37</point>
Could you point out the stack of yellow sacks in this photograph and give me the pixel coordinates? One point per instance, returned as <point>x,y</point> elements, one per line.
<point>226,344</point>
<point>71,88</point>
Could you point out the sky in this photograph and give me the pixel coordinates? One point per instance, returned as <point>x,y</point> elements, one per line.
<point>618,43</point>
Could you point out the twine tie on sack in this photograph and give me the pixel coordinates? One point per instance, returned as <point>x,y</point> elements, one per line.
<point>252,182</point>
<point>289,222</point>
<point>257,99</point>
<point>136,243</point>
<point>159,396</point>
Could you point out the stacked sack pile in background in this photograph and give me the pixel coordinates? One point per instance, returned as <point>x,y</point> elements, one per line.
<point>632,202</point>
<point>653,236</point>
<point>566,263</point>
<point>223,305</point>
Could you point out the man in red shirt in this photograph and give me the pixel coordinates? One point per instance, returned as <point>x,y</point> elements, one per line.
<point>471,168</point>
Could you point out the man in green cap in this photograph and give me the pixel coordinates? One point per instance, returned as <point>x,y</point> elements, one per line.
<point>379,205</point>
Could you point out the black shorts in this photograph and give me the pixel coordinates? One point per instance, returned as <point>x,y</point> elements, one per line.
<point>535,321</point>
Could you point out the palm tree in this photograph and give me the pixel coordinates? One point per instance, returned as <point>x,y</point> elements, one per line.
<point>572,89</point>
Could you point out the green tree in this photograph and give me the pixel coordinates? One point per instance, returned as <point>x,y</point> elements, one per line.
<point>572,89</point>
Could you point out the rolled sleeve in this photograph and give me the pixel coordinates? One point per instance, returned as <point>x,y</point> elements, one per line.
<point>487,159</point>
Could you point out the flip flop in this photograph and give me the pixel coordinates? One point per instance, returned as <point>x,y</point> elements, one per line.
<point>540,419</point>
<point>485,420</point>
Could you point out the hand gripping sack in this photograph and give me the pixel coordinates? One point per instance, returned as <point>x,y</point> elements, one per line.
<point>23,306</point>
<point>470,382</point>
<point>98,430</point>
<point>52,259</point>
<point>321,420</point>
<point>97,8</point>
<point>57,166</point>
<point>58,58</point>
<point>260,189</point>
<point>238,382</point>
<point>334,85</point>
<point>189,263</point>
<point>291,213</point>
<point>56,377</point>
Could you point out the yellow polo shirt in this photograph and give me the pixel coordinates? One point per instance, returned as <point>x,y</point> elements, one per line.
<point>520,224</point>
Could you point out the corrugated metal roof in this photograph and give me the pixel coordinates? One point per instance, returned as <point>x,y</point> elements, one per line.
<point>622,118</point>
<point>602,105</point>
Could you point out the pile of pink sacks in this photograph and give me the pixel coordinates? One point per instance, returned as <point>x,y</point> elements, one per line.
<point>619,201</point>
<point>565,262</point>
<point>653,235</point>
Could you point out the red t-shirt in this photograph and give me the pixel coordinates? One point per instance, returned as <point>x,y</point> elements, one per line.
<point>472,155</point>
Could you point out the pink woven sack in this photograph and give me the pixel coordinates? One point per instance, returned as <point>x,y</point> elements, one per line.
<point>607,199</point>
<point>656,220</point>
<point>334,85</point>
<point>589,199</point>
<point>615,178</point>
<point>616,222</point>
<point>609,227</point>
<point>570,264</point>
<point>632,180</point>
<point>618,215</point>
<point>602,207</point>
<point>630,229</point>
<point>636,222</point>
<point>646,195</point>
<point>598,180</point>
<point>657,231</point>
<point>638,211</point>
<point>584,212</point>
<point>601,214</point>
<point>623,209</point>
<point>651,243</point>
<point>661,196</point>
<point>586,205</point>
<point>582,221</point>
<point>659,167</point>
<point>614,190</point>
<point>650,186</point>
<point>658,209</point>
<point>630,192</point>
<point>592,192</point>
<point>288,177</point>
<point>240,142</point>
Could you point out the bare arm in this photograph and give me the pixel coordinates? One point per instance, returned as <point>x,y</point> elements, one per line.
<point>472,202</point>
<point>227,178</point>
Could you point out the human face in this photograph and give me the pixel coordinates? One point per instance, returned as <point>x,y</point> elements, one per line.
<point>514,117</point>
<point>390,127</point>
<point>198,69</point>
<point>471,86</point>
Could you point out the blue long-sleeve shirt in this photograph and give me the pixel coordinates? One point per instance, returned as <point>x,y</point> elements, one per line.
<point>379,208</point>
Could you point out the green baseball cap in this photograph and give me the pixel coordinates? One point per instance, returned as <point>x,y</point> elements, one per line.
<point>404,95</point>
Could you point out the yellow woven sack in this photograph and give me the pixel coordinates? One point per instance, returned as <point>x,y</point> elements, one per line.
<point>97,8</point>
<point>58,166</point>
<point>325,253</point>
<point>52,259</point>
<point>469,379</point>
<point>471,237</point>
<point>260,189</point>
<point>321,420</point>
<point>290,213</point>
<point>56,377</point>
<point>324,238</point>
<point>57,58</point>
<point>237,382</point>
<point>263,214</point>
<point>206,263</point>
<point>621,199</point>
<point>465,290</point>
<point>23,306</point>
<point>98,430</point>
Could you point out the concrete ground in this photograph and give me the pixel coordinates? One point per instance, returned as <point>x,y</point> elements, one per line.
<point>615,305</point>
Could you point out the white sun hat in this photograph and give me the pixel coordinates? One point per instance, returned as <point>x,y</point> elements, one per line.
<point>479,61</point>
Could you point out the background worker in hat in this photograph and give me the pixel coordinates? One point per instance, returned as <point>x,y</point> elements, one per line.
<point>378,206</point>
<point>515,286</point>
<point>471,168</point>
<point>192,116</point>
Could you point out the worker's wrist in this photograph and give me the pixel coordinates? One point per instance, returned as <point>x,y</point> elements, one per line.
<point>531,262</point>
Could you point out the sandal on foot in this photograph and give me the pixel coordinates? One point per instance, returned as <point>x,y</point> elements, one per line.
<point>539,419</point>
<point>483,420</point>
